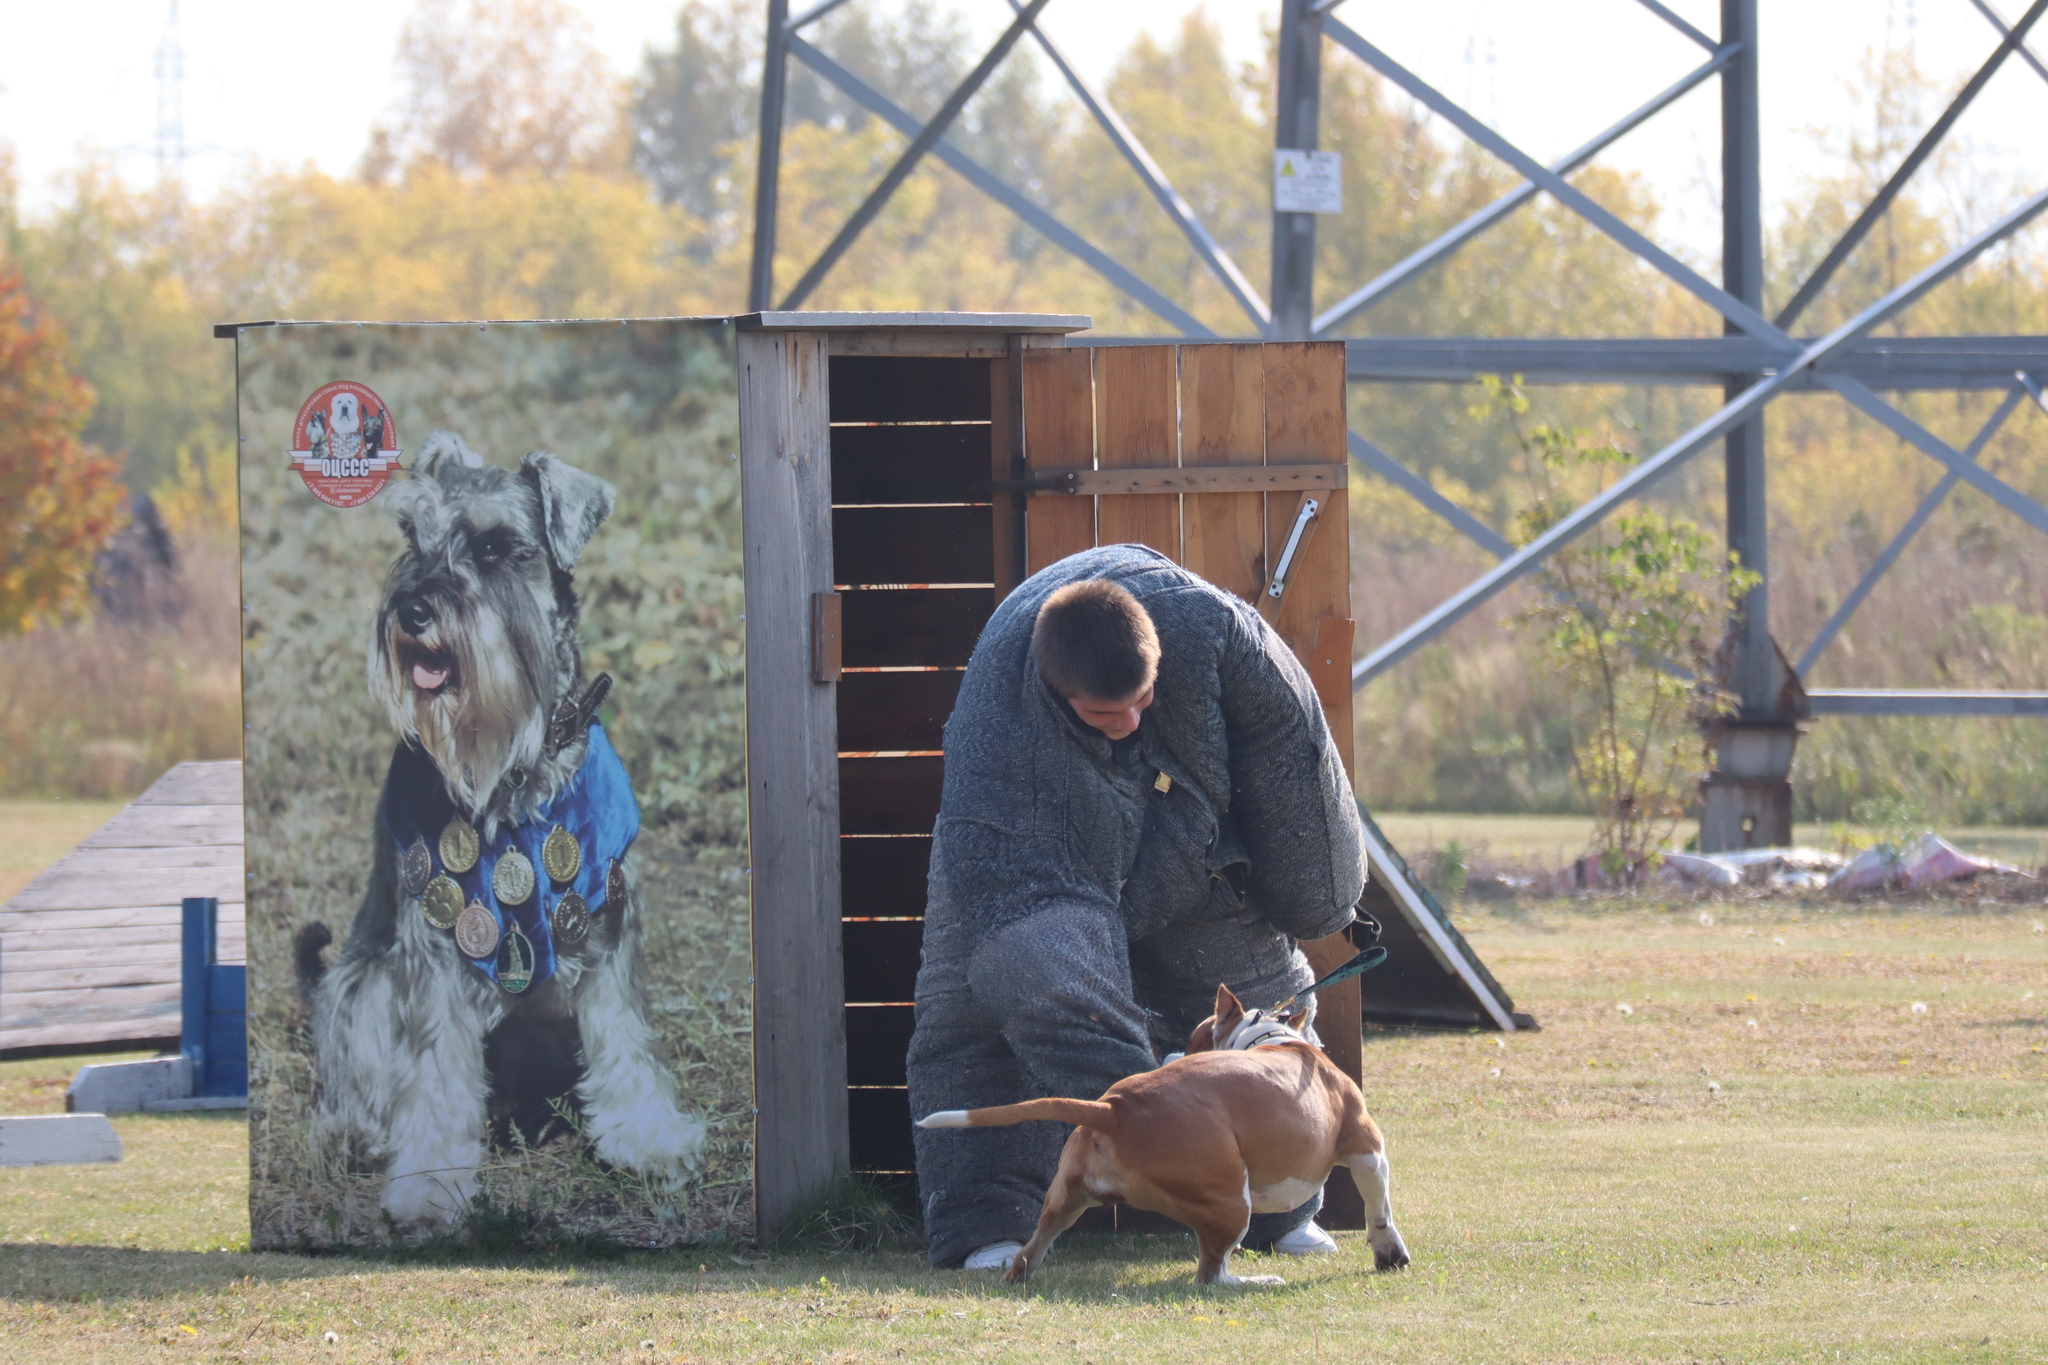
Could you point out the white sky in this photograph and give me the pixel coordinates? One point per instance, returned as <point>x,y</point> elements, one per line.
<point>281,82</point>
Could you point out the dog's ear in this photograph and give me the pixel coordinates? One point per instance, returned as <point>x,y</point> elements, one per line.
<point>1297,1020</point>
<point>442,450</point>
<point>573,504</point>
<point>1229,1013</point>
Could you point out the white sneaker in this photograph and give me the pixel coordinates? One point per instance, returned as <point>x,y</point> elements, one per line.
<point>1306,1240</point>
<point>999,1256</point>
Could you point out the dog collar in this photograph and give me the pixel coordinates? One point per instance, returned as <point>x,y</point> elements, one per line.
<point>515,904</point>
<point>1260,1030</point>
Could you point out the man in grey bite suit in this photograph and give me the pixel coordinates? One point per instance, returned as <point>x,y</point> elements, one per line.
<point>1143,803</point>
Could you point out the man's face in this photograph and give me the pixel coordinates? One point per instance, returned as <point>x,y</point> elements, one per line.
<point>1114,718</point>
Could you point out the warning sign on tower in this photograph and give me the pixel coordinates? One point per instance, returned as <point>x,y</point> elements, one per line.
<point>1307,182</point>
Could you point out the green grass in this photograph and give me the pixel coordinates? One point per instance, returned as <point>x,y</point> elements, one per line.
<point>1769,1156</point>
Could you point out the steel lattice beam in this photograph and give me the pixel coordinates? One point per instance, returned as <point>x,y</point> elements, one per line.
<point>1530,558</point>
<point>1756,361</point>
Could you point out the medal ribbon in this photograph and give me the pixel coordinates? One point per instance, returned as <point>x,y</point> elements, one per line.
<point>597,808</point>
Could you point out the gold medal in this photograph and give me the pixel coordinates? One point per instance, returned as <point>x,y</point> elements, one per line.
<point>441,902</point>
<point>615,886</point>
<point>459,846</point>
<point>570,921</point>
<point>476,931</point>
<point>416,867</point>
<point>512,878</point>
<point>560,855</point>
<point>515,962</point>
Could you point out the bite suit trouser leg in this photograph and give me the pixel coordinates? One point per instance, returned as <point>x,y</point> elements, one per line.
<point>1040,1007</point>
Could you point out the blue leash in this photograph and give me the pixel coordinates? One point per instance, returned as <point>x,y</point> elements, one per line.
<point>1357,966</point>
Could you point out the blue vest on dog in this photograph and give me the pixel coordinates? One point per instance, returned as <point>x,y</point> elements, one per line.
<point>596,807</point>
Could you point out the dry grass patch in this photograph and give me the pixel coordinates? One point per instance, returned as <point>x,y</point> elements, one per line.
<point>1668,1183</point>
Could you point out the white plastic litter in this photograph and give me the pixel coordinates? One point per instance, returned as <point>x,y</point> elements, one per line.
<point>1927,861</point>
<point>1784,867</point>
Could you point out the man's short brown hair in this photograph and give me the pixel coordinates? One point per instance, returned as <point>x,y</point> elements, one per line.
<point>1093,639</point>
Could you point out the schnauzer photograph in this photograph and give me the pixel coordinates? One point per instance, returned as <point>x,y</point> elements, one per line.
<point>498,910</point>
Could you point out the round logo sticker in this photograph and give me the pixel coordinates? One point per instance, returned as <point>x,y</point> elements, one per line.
<point>345,444</point>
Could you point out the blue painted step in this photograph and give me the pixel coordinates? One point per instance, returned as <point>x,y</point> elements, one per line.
<point>214,1030</point>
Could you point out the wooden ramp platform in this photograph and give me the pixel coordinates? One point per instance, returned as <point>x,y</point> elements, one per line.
<point>89,951</point>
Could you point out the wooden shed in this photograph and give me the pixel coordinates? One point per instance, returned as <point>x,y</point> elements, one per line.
<point>902,472</point>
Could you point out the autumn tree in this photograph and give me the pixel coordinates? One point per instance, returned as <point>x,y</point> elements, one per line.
<point>60,499</point>
<point>497,87</point>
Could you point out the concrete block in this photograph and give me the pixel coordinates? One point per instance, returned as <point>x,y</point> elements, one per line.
<point>58,1140</point>
<point>128,1087</point>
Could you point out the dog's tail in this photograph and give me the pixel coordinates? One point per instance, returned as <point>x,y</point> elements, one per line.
<point>1093,1113</point>
<point>307,945</point>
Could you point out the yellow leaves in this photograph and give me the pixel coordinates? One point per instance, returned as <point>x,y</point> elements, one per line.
<point>653,654</point>
<point>198,499</point>
<point>437,246</point>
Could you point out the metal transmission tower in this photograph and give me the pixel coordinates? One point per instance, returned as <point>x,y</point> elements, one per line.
<point>170,101</point>
<point>1756,359</point>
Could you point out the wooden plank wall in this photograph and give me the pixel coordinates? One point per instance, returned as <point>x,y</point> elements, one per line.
<point>914,443</point>
<point>792,772</point>
<point>90,950</point>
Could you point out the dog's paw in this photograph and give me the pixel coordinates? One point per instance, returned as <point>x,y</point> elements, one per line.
<point>1389,1252</point>
<point>654,1142</point>
<point>436,1198</point>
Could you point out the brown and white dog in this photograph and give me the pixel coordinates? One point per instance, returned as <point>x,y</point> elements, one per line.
<point>1252,1120</point>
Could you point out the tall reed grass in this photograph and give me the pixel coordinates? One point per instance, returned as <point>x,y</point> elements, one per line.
<point>102,707</point>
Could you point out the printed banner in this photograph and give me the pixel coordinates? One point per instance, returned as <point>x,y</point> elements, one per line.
<point>495,776</point>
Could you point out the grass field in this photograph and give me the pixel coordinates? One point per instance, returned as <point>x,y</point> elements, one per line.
<point>38,833</point>
<point>1770,1155</point>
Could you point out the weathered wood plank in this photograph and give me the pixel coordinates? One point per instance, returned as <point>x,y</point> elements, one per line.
<point>1143,480</point>
<point>792,761</point>
<point>1305,423</point>
<point>157,1025</point>
<point>89,858</point>
<point>37,921</point>
<point>48,946</point>
<point>1137,424</point>
<point>172,826</point>
<point>86,951</point>
<point>1223,422</point>
<point>1059,433</point>
<point>1005,463</point>
<point>112,1003</point>
<point>62,889</point>
<point>196,784</point>
<point>107,973</point>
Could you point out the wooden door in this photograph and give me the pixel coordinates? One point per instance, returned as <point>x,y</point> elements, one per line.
<point>1165,422</point>
<point>924,547</point>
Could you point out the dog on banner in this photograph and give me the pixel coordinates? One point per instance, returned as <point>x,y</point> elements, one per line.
<point>496,960</point>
